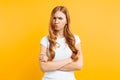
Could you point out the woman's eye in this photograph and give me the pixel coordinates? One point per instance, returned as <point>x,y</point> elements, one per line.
<point>54,17</point>
<point>60,18</point>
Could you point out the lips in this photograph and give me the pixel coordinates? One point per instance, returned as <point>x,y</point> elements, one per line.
<point>55,25</point>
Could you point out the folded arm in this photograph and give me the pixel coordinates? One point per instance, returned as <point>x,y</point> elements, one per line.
<point>50,65</point>
<point>77,65</point>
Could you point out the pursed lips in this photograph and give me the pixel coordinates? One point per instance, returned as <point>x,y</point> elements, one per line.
<point>56,25</point>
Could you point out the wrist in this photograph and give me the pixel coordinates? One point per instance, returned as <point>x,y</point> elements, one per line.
<point>70,60</point>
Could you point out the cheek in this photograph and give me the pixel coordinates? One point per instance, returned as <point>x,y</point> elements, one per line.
<point>64,22</point>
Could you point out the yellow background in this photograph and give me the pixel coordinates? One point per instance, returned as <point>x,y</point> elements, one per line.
<point>24,22</point>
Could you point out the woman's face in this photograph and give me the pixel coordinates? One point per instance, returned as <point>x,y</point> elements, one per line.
<point>59,20</point>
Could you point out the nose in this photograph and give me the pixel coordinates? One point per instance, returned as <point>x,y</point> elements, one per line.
<point>56,21</point>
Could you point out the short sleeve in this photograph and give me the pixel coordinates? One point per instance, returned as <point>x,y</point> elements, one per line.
<point>77,39</point>
<point>44,41</point>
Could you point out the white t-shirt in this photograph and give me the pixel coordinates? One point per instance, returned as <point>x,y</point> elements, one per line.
<point>62,52</point>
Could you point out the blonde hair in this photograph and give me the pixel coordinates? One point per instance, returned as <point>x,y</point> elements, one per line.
<point>69,37</point>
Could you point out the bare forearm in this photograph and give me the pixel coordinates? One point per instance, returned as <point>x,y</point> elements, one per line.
<point>54,65</point>
<point>73,65</point>
<point>70,67</point>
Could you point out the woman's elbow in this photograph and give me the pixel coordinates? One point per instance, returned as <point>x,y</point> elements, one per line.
<point>43,70</point>
<point>79,66</point>
<point>42,67</point>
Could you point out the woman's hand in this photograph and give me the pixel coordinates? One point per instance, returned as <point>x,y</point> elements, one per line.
<point>43,58</point>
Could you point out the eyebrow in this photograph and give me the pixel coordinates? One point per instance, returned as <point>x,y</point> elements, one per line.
<point>57,17</point>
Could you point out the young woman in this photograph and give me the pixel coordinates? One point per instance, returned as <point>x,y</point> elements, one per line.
<point>60,51</point>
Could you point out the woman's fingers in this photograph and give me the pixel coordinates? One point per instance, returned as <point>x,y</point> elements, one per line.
<point>43,58</point>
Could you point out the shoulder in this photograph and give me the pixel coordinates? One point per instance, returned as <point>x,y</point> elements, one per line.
<point>44,41</point>
<point>76,36</point>
<point>45,38</point>
<point>77,39</point>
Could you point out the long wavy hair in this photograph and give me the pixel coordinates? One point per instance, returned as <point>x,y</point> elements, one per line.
<point>69,37</point>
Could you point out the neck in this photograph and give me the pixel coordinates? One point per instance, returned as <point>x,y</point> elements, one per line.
<point>60,34</point>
